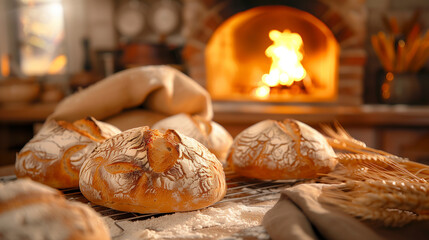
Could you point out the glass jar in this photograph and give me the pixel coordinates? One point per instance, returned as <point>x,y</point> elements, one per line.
<point>401,88</point>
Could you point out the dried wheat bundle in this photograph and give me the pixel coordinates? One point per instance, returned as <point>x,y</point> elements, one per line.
<point>371,184</point>
<point>393,203</point>
<point>354,154</point>
<point>403,48</point>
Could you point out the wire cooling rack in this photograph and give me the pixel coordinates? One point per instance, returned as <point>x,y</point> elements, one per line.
<point>239,189</point>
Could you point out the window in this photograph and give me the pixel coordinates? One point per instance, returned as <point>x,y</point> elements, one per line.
<point>41,37</point>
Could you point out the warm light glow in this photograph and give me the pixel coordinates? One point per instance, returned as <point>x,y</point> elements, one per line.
<point>262,92</point>
<point>389,76</point>
<point>5,65</point>
<point>41,36</point>
<point>235,60</point>
<point>285,52</point>
<point>385,87</point>
<point>57,65</point>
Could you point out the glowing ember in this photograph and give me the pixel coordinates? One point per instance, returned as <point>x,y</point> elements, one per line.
<point>286,67</point>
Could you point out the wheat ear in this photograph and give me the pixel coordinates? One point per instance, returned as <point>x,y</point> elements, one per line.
<point>377,166</point>
<point>340,139</point>
<point>388,217</point>
<point>393,194</point>
<point>394,203</point>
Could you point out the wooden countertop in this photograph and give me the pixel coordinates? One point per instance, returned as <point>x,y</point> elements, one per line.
<point>252,112</point>
<point>26,113</point>
<point>364,115</point>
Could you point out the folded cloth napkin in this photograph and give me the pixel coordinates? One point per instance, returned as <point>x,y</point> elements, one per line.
<point>299,215</point>
<point>136,97</point>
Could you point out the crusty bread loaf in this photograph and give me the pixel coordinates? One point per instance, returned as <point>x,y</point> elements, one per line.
<point>286,149</point>
<point>149,171</point>
<point>30,210</point>
<point>211,134</point>
<point>56,153</point>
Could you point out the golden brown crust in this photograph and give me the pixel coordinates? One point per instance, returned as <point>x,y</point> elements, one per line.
<point>56,153</point>
<point>281,150</point>
<point>150,171</point>
<point>162,150</point>
<point>30,210</point>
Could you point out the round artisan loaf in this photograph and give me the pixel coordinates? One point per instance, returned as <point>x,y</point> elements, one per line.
<point>212,135</point>
<point>286,149</point>
<point>149,171</point>
<point>56,153</point>
<point>30,210</point>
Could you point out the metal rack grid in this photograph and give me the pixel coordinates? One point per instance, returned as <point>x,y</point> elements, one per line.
<point>239,189</point>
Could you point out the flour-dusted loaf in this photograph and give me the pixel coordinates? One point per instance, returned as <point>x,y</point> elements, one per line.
<point>211,134</point>
<point>30,210</point>
<point>150,171</point>
<point>286,149</point>
<point>56,153</point>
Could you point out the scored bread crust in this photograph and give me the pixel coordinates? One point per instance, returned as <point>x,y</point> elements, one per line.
<point>150,171</point>
<point>286,149</point>
<point>30,210</point>
<point>56,153</point>
<point>211,134</point>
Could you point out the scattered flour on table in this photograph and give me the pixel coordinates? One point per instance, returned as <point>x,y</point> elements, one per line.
<point>223,220</point>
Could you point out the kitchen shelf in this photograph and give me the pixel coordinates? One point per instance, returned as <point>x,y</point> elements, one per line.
<point>25,113</point>
<point>364,115</point>
<point>252,112</point>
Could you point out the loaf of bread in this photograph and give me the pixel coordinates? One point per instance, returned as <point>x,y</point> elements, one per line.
<point>30,210</point>
<point>286,149</point>
<point>56,153</point>
<point>149,171</point>
<point>211,134</point>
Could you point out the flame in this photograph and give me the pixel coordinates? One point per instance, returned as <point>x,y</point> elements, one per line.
<point>286,55</point>
<point>5,65</point>
<point>57,65</point>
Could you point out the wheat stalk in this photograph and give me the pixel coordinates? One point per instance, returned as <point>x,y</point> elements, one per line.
<point>410,196</point>
<point>385,167</point>
<point>355,159</point>
<point>375,185</point>
<point>388,217</point>
<point>340,139</point>
<point>418,169</point>
<point>360,155</point>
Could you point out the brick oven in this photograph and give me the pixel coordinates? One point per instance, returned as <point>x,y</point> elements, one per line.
<point>226,41</point>
<point>272,53</point>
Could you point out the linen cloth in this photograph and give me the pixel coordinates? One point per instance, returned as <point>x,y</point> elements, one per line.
<point>137,96</point>
<point>299,215</point>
